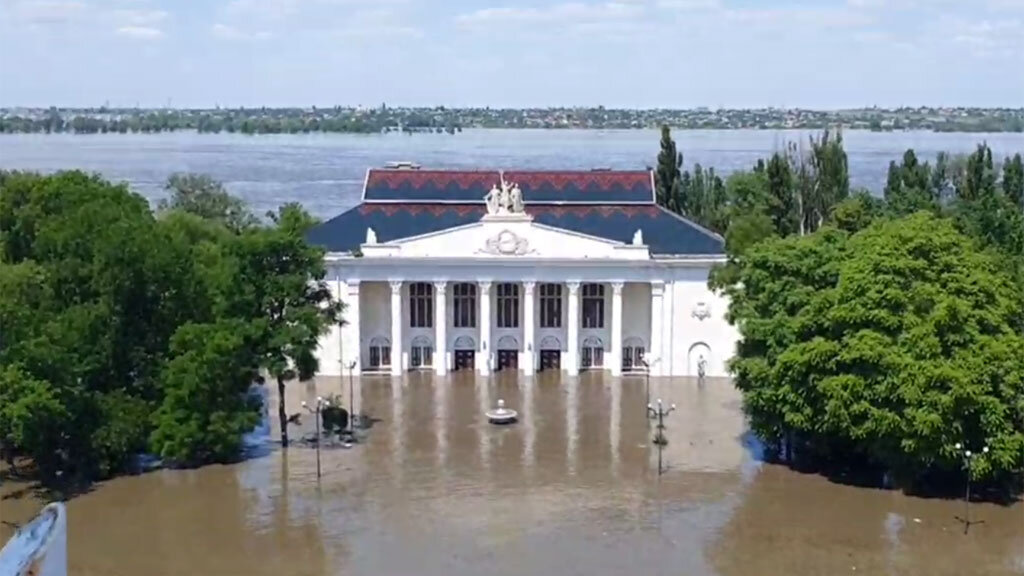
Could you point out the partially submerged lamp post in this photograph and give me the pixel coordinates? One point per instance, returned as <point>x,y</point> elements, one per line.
<point>320,405</point>
<point>968,460</point>
<point>659,437</point>
<point>351,405</point>
<point>648,360</point>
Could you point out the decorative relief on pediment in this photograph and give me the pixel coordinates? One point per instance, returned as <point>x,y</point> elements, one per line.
<point>507,243</point>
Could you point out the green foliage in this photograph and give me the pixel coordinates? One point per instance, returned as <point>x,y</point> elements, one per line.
<point>857,212</point>
<point>668,174</point>
<point>909,187</point>
<point>1013,180</point>
<point>121,329</point>
<point>205,197</point>
<point>888,346</point>
<point>205,409</point>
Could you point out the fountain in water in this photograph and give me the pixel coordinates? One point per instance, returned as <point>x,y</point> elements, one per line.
<point>40,548</point>
<point>501,415</point>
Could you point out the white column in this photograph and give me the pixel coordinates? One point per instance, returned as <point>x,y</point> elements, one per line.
<point>397,365</point>
<point>529,346</point>
<point>657,325</point>
<point>572,356</point>
<point>351,339</point>
<point>441,328</point>
<point>616,355</point>
<point>484,357</point>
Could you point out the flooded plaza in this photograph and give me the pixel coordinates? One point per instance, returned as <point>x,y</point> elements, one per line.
<point>572,488</point>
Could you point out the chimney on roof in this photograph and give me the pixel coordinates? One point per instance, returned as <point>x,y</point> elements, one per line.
<point>402,166</point>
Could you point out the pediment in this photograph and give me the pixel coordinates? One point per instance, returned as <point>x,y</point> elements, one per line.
<point>508,237</point>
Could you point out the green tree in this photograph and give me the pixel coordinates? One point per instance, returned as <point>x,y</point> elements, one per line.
<point>668,173</point>
<point>887,347</point>
<point>783,209</point>
<point>205,409</point>
<point>288,293</point>
<point>1013,180</point>
<point>205,197</point>
<point>857,212</point>
<point>909,186</point>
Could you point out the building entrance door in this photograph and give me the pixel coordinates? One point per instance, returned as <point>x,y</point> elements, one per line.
<point>508,359</point>
<point>464,359</point>
<point>550,360</point>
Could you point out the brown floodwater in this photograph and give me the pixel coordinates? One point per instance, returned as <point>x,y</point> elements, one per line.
<point>573,488</point>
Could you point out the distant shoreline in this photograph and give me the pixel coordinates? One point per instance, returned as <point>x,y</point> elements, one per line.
<point>441,120</point>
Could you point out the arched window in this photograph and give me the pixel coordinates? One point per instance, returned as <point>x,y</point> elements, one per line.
<point>380,353</point>
<point>464,305</point>
<point>550,343</point>
<point>508,343</point>
<point>422,353</point>
<point>421,305</point>
<point>593,305</point>
<point>633,354</point>
<point>465,343</point>
<point>593,353</point>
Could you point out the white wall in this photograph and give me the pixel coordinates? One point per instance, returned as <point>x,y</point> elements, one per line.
<point>329,346</point>
<point>636,312</point>
<point>690,334</point>
<point>374,315</point>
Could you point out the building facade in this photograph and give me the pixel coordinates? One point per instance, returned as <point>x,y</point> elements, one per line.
<point>506,270</point>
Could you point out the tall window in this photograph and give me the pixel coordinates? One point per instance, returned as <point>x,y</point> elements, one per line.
<point>508,306</point>
<point>464,305</point>
<point>593,306</point>
<point>421,305</point>
<point>550,305</point>
<point>633,355</point>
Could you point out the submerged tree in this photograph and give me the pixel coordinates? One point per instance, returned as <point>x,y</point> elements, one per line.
<point>887,347</point>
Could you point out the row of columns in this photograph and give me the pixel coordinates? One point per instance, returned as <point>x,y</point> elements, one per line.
<point>529,329</point>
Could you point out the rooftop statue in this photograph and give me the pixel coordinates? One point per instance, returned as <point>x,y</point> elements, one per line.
<point>508,199</point>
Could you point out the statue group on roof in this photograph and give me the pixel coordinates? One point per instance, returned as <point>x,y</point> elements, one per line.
<point>506,199</point>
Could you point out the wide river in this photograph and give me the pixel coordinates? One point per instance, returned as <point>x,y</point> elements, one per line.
<point>325,172</point>
<point>573,488</point>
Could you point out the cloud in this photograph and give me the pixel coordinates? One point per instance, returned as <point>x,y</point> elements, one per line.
<point>225,32</point>
<point>566,13</point>
<point>138,17</point>
<point>140,32</point>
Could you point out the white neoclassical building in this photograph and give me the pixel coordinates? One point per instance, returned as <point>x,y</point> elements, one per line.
<point>494,270</point>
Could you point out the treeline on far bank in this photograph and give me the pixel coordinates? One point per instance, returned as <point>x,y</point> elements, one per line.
<point>880,336</point>
<point>128,330</point>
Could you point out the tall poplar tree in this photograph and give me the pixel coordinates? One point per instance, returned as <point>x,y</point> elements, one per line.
<point>668,174</point>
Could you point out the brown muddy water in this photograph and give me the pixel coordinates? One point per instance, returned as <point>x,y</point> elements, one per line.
<point>573,488</point>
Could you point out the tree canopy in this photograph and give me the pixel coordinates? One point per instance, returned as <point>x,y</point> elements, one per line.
<point>128,331</point>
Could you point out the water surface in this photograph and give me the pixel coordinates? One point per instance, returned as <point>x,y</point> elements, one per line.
<point>325,172</point>
<point>573,488</point>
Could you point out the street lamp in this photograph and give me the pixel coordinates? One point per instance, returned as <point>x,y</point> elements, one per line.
<point>968,459</point>
<point>351,404</point>
<point>648,360</point>
<point>320,405</point>
<point>659,437</point>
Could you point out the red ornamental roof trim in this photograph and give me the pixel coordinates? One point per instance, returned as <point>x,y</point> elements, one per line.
<point>558,210</point>
<point>465,179</point>
<point>582,180</point>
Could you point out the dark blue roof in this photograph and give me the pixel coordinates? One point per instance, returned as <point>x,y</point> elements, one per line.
<point>664,232</point>
<point>560,187</point>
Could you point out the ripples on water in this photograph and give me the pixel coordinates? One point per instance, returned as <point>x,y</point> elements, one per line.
<point>325,172</point>
<point>571,489</point>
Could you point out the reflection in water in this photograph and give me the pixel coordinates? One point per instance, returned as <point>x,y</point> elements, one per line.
<point>435,489</point>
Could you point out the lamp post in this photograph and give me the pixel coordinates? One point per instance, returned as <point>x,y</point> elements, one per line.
<point>320,405</point>
<point>351,404</point>
<point>659,437</point>
<point>648,360</point>
<point>968,459</point>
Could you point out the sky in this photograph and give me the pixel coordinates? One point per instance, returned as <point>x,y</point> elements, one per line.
<point>512,53</point>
